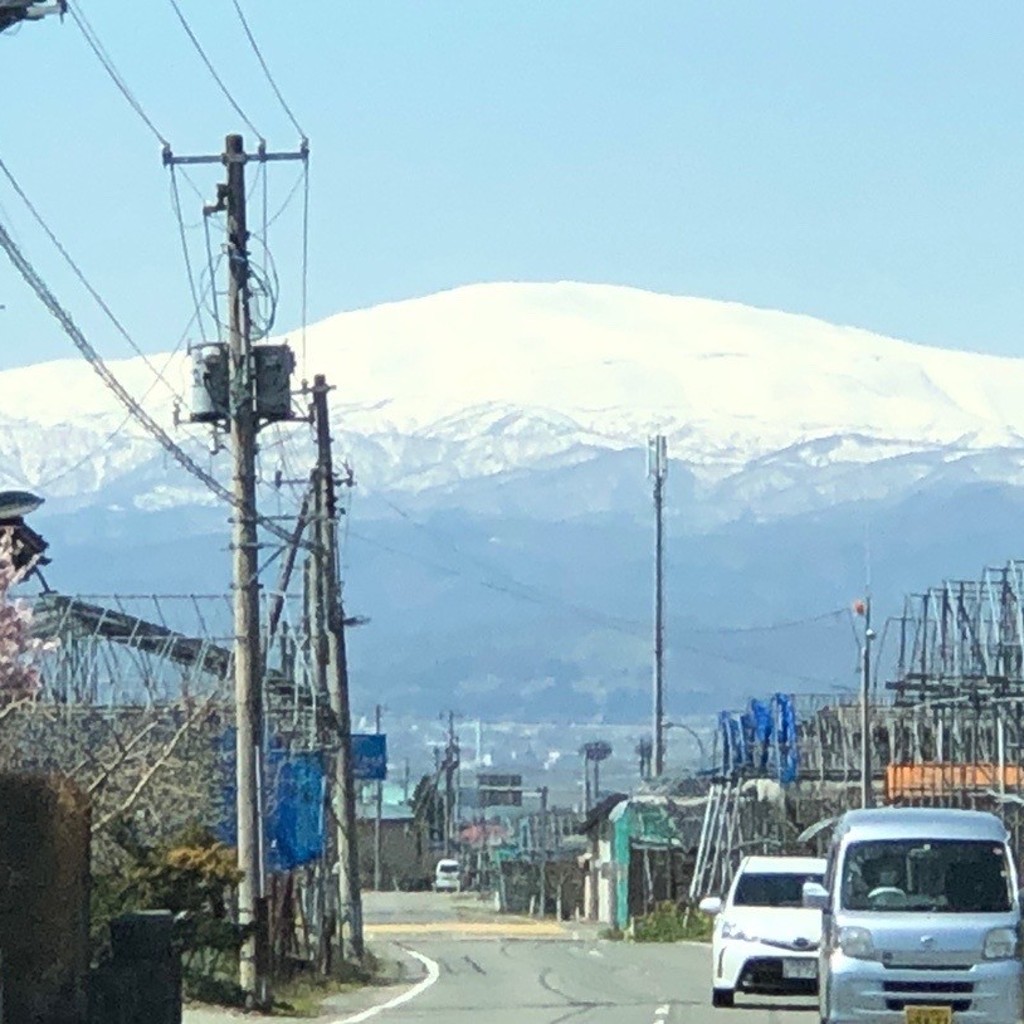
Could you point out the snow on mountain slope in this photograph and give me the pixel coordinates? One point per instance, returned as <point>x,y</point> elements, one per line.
<point>493,379</point>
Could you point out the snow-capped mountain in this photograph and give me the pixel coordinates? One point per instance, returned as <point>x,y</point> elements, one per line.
<point>499,539</point>
<point>771,412</point>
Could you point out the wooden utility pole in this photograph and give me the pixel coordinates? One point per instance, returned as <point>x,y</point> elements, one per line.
<point>657,470</point>
<point>344,796</point>
<point>379,813</point>
<point>245,551</point>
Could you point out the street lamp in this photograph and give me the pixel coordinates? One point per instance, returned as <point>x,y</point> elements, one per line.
<point>696,735</point>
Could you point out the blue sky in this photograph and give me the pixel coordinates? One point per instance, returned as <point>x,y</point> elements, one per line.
<point>858,162</point>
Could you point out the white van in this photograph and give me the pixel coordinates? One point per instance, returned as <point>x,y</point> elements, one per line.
<point>920,920</point>
<point>447,876</point>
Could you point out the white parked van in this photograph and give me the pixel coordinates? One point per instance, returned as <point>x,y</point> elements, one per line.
<point>920,920</point>
<point>447,876</point>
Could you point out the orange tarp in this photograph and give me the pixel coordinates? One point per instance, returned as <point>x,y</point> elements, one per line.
<point>938,778</point>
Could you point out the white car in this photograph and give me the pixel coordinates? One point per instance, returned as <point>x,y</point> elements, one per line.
<point>447,876</point>
<point>765,941</point>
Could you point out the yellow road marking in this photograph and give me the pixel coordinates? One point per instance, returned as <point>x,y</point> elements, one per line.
<point>466,928</point>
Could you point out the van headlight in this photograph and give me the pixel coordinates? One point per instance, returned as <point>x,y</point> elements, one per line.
<point>1000,944</point>
<point>731,930</point>
<point>856,943</point>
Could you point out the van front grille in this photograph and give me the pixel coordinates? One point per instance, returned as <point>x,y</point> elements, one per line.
<point>915,987</point>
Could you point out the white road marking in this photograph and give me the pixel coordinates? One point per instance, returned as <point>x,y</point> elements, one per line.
<point>433,973</point>
<point>662,1011</point>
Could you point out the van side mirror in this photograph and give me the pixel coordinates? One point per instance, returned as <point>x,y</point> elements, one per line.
<point>815,896</point>
<point>710,905</point>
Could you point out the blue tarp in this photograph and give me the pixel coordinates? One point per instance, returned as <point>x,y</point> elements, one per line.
<point>764,737</point>
<point>762,717</point>
<point>734,753</point>
<point>294,795</point>
<point>785,728</point>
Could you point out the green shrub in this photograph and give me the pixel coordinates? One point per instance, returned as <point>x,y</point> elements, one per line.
<point>669,922</point>
<point>195,876</point>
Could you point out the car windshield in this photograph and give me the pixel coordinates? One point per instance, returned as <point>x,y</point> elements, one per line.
<point>951,875</point>
<point>771,890</point>
<point>448,869</point>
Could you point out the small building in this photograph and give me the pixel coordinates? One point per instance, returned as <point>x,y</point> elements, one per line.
<point>641,852</point>
<point>407,856</point>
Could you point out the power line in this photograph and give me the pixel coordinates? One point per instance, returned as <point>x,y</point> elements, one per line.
<point>176,202</point>
<point>266,70</point>
<point>289,198</point>
<point>102,446</point>
<point>770,627</point>
<point>213,71</point>
<point>105,60</point>
<point>43,293</point>
<point>212,270</point>
<point>76,270</point>
<point>305,258</point>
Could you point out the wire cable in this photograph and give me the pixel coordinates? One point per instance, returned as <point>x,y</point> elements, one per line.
<point>305,259</point>
<point>211,289</point>
<point>76,270</point>
<point>89,33</point>
<point>176,202</point>
<point>50,481</point>
<point>292,192</point>
<point>213,71</point>
<point>266,70</point>
<point>47,298</point>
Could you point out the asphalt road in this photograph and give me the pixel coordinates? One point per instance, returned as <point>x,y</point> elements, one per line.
<point>496,971</point>
<point>469,965</point>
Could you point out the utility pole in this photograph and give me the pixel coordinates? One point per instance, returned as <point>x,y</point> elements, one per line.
<point>243,425</point>
<point>657,470</point>
<point>245,551</point>
<point>451,761</point>
<point>543,849</point>
<point>344,797</point>
<point>377,817</point>
<point>866,790</point>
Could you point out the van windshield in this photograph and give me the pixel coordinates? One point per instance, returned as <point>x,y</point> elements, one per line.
<point>771,890</point>
<point>949,875</point>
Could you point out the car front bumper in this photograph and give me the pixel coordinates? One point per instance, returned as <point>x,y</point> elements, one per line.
<point>867,992</point>
<point>759,967</point>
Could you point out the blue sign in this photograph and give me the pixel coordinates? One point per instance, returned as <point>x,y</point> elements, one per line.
<point>369,757</point>
<point>294,798</point>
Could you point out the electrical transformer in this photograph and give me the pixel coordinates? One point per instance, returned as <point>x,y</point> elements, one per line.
<point>273,366</point>
<point>210,402</point>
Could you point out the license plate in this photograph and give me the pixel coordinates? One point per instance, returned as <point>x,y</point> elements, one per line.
<point>929,1015</point>
<point>809,969</point>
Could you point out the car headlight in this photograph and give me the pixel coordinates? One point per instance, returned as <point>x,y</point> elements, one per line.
<point>856,942</point>
<point>731,930</point>
<point>1000,944</point>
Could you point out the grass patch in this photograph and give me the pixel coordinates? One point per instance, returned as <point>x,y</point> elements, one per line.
<point>304,995</point>
<point>669,922</point>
